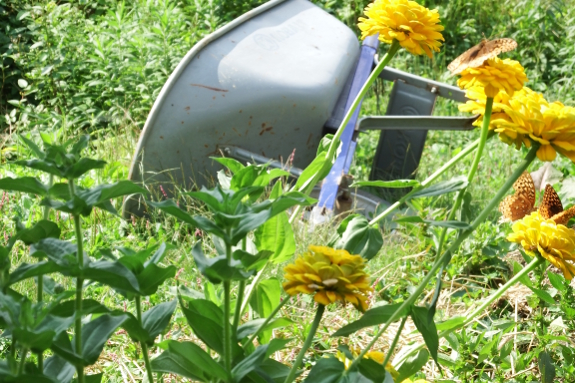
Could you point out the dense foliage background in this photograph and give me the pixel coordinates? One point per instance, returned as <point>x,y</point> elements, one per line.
<point>100,64</point>
<point>96,66</point>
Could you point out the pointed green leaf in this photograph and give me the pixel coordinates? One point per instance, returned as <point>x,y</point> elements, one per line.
<point>188,360</point>
<point>326,370</point>
<point>372,317</point>
<point>24,184</point>
<point>426,327</point>
<point>95,335</point>
<point>442,187</point>
<point>546,367</point>
<point>386,184</point>
<point>158,317</point>
<point>355,235</point>
<point>412,364</point>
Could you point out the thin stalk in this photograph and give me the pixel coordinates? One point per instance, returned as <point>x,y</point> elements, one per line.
<point>79,285</point>
<point>526,270</point>
<point>307,343</point>
<point>308,186</point>
<point>394,343</point>
<point>472,169</point>
<point>143,344</point>
<point>446,256</point>
<point>227,326</point>
<point>40,278</point>
<point>239,299</point>
<point>268,320</point>
<point>449,164</point>
<point>22,361</point>
<point>251,287</point>
<point>488,301</point>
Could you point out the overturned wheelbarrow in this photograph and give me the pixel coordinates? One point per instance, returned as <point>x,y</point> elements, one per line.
<point>265,88</point>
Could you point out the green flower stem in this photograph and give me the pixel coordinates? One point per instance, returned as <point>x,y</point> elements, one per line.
<point>239,299</point>
<point>370,80</point>
<point>307,343</point>
<point>472,170</point>
<point>227,311</point>
<point>331,151</point>
<point>462,154</point>
<point>488,301</point>
<point>394,343</point>
<point>79,284</point>
<point>268,320</point>
<point>446,257</point>
<point>252,286</point>
<point>22,361</point>
<point>40,278</point>
<point>143,344</point>
<point>526,270</point>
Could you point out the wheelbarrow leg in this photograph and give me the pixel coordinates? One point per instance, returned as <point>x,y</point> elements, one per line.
<point>331,183</point>
<point>399,151</point>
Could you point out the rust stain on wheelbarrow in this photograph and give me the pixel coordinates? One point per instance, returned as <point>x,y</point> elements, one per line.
<point>210,88</point>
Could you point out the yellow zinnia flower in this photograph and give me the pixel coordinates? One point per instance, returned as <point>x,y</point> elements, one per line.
<point>330,275</point>
<point>528,117</point>
<point>415,27</point>
<point>552,241</point>
<point>494,75</point>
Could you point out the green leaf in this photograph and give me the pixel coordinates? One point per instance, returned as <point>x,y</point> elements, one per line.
<point>25,270</point>
<point>387,184</point>
<point>252,326</point>
<point>24,184</point>
<point>158,317</point>
<point>188,360</point>
<point>277,236</point>
<point>233,165</point>
<point>44,166</point>
<point>525,278</point>
<point>68,308</point>
<point>543,295</point>
<point>442,187</point>
<point>41,230</point>
<point>219,269</point>
<point>250,363</point>
<point>61,252</point>
<point>546,367</point>
<point>458,225</point>
<point>172,208</point>
<point>206,319</point>
<point>557,281</point>
<point>426,327</point>
<point>355,235</point>
<point>152,277</point>
<point>82,166</point>
<point>267,297</point>
<point>113,274</point>
<point>326,370</point>
<point>320,165</point>
<point>95,335</point>
<point>412,364</point>
<point>372,317</point>
<point>373,371</point>
<point>59,369</point>
<point>450,323</point>
<point>35,340</point>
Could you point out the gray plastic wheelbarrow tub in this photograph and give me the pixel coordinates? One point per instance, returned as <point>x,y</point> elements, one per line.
<point>265,84</point>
